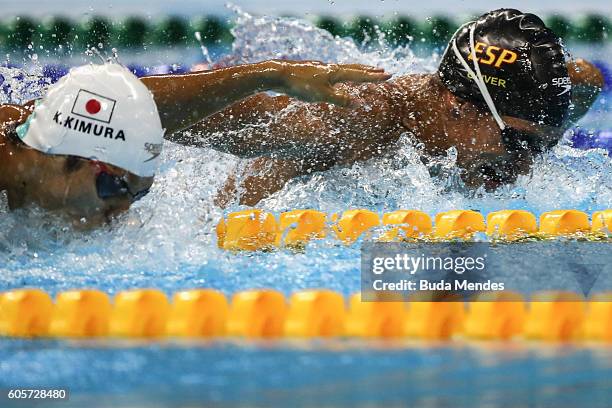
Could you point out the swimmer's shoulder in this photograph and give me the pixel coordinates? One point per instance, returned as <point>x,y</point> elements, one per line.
<point>392,94</point>
<point>587,83</point>
<point>411,81</point>
<point>12,115</point>
<point>402,89</point>
<point>409,89</point>
<point>584,73</point>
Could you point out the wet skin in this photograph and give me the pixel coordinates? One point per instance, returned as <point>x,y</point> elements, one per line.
<point>67,185</point>
<point>289,139</point>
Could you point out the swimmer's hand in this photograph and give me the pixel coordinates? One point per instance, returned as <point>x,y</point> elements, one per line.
<point>313,81</point>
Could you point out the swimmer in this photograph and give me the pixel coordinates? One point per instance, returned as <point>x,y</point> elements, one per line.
<point>503,94</point>
<point>90,146</point>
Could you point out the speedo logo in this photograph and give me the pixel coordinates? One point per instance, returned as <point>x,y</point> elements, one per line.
<point>563,82</point>
<point>493,55</point>
<point>88,127</point>
<point>154,149</point>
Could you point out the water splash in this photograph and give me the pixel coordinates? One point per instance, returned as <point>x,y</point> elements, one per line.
<point>203,48</point>
<point>167,239</point>
<point>19,86</point>
<point>266,37</point>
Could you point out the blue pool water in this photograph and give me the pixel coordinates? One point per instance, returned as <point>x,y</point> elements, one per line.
<point>335,373</point>
<point>167,241</point>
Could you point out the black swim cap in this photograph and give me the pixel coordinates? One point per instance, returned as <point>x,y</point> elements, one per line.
<point>522,63</point>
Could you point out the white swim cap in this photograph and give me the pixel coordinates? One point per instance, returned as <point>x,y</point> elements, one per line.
<point>98,112</point>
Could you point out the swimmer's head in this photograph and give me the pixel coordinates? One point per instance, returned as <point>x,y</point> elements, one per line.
<point>92,144</point>
<point>101,113</point>
<point>521,63</point>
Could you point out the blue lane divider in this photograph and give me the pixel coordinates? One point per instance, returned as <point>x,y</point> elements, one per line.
<point>137,70</point>
<point>168,69</point>
<point>55,71</point>
<point>592,139</point>
<point>607,74</point>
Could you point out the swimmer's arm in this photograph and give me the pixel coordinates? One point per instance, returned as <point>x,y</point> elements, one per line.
<point>258,125</point>
<point>587,83</point>
<point>184,100</point>
<point>279,126</point>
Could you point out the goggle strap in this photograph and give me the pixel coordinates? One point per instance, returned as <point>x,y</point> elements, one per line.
<point>477,77</point>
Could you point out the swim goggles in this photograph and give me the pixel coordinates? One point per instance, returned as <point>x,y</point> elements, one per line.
<point>110,185</point>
